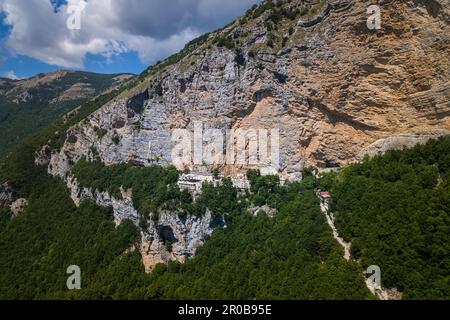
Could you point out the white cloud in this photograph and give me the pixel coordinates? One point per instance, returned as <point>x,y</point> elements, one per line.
<point>11,75</point>
<point>152,28</point>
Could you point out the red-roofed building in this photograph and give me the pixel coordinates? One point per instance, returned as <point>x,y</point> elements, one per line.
<point>325,196</point>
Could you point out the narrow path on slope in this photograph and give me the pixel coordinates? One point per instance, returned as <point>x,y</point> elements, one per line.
<point>330,219</point>
<point>379,292</point>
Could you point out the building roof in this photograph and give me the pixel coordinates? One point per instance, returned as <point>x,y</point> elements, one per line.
<point>325,195</point>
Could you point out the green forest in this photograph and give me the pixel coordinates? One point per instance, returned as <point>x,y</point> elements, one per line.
<point>255,257</point>
<point>395,209</point>
<point>290,256</point>
<point>20,120</point>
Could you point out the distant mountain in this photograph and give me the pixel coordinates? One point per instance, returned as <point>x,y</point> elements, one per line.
<point>29,105</point>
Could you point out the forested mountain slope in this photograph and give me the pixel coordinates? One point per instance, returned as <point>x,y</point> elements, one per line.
<point>395,209</point>
<point>96,199</point>
<point>29,105</point>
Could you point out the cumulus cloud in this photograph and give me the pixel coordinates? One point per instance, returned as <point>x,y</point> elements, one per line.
<point>11,75</point>
<point>152,28</point>
<point>2,55</point>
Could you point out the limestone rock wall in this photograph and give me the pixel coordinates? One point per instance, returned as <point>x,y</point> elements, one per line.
<point>333,90</point>
<point>185,234</point>
<point>175,237</point>
<point>399,142</point>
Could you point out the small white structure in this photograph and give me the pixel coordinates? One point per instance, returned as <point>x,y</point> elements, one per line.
<point>187,185</point>
<point>194,181</point>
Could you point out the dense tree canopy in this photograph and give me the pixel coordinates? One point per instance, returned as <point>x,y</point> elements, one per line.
<point>290,256</point>
<point>395,209</point>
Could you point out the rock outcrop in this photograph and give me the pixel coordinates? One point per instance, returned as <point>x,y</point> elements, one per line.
<point>270,212</point>
<point>18,206</point>
<point>328,8</point>
<point>123,208</point>
<point>399,142</point>
<point>176,238</point>
<point>9,199</point>
<point>332,90</point>
<point>172,237</point>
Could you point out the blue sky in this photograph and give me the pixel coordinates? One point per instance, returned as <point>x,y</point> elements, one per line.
<point>120,36</point>
<point>25,66</point>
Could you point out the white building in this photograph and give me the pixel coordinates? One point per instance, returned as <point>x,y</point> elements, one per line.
<point>194,181</point>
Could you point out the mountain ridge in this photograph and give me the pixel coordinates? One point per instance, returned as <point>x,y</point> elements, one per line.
<point>28,105</point>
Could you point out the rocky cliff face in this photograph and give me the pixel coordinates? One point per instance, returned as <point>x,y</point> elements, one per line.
<point>332,86</point>
<point>8,199</point>
<point>175,238</point>
<point>169,237</point>
<point>312,69</point>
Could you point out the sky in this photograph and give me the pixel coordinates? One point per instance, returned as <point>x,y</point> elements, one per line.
<point>104,36</point>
